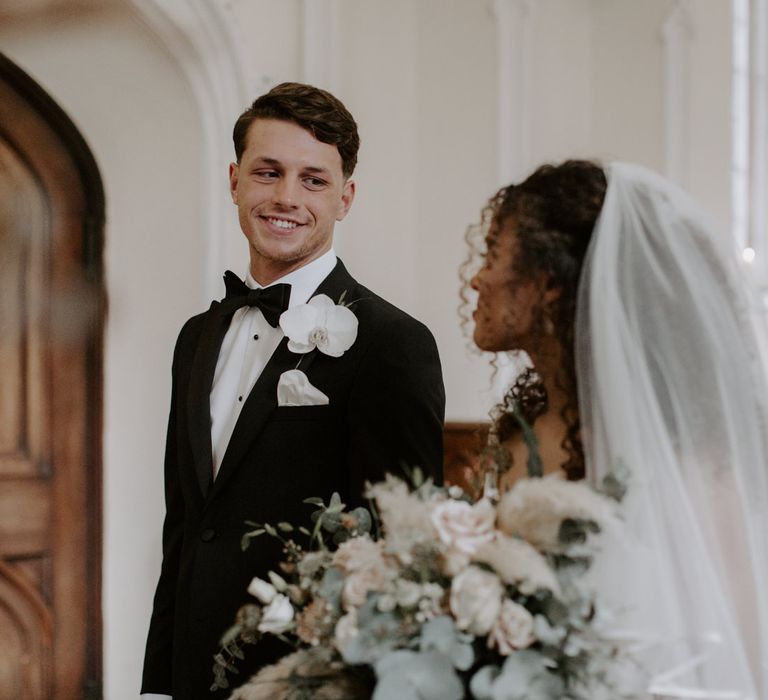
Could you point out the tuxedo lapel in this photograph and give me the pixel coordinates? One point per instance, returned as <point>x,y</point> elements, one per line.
<point>257,408</point>
<point>339,282</point>
<point>201,380</point>
<point>262,400</point>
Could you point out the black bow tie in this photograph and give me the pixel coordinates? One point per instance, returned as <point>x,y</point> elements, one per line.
<point>271,301</point>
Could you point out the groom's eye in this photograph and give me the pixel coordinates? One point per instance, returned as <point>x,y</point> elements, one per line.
<point>267,174</point>
<point>314,183</point>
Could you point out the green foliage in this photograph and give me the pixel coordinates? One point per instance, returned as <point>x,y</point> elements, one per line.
<point>576,531</point>
<point>535,465</point>
<point>614,485</point>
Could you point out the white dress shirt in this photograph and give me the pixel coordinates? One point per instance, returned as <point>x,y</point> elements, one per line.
<point>245,350</point>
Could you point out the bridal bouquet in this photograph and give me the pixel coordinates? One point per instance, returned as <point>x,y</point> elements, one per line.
<point>436,596</point>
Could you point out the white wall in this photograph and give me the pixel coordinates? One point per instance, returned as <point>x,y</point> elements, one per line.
<point>420,79</point>
<point>629,107</point>
<point>710,119</point>
<point>424,81</point>
<point>267,34</point>
<point>628,81</point>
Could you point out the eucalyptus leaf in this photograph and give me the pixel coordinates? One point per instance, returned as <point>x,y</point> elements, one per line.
<point>331,520</point>
<point>230,635</point>
<point>556,611</point>
<point>378,634</point>
<point>341,535</point>
<point>364,520</point>
<point>481,684</point>
<point>576,530</point>
<point>418,676</point>
<point>440,634</point>
<point>331,587</point>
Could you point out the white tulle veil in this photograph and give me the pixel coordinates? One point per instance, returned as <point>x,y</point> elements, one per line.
<point>673,392</point>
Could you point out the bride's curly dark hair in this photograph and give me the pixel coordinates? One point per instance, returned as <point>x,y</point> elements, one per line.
<point>555,210</point>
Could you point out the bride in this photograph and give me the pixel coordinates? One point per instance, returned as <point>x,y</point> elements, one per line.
<point>646,344</point>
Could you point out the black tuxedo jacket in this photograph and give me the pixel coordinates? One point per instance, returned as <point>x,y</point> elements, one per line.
<point>386,409</point>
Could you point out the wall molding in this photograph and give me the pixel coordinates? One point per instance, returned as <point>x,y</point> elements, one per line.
<point>201,39</point>
<point>320,47</point>
<point>513,23</point>
<point>758,135</point>
<point>677,34</point>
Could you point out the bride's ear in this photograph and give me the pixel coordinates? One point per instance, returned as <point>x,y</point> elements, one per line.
<point>552,291</point>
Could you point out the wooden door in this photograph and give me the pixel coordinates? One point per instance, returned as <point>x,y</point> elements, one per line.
<point>51,309</point>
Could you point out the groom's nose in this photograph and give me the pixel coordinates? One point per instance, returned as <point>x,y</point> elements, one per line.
<point>286,192</point>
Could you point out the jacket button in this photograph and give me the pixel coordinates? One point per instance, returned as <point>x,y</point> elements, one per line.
<point>207,535</point>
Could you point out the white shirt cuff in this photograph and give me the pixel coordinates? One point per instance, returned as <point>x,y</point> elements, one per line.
<point>155,696</point>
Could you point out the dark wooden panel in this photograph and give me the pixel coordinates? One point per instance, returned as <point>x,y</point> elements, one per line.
<point>51,307</point>
<point>25,643</point>
<point>23,318</point>
<point>463,443</point>
<point>25,516</point>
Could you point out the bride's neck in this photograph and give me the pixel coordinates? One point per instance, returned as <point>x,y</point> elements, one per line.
<point>547,359</point>
<point>550,428</point>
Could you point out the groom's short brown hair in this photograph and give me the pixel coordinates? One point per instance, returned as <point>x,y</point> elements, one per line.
<point>313,109</point>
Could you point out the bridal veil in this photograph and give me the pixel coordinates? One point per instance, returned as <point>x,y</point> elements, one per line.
<point>673,396</point>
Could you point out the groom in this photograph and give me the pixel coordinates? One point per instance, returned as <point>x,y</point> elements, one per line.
<point>247,441</point>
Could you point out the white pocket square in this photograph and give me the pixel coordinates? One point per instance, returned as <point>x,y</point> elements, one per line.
<point>294,389</point>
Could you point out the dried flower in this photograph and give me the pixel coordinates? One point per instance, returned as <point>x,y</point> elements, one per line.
<point>314,622</point>
<point>517,562</point>
<point>534,509</point>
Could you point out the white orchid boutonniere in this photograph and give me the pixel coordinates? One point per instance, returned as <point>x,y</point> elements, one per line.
<point>321,324</point>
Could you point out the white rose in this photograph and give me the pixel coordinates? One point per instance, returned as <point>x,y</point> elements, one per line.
<point>262,590</point>
<point>433,591</point>
<point>407,593</point>
<point>385,603</point>
<point>463,525</point>
<point>358,584</point>
<point>512,630</point>
<point>359,553</point>
<point>277,616</point>
<point>476,600</point>
<point>345,630</point>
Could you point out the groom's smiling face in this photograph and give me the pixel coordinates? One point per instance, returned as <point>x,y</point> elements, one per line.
<point>290,191</point>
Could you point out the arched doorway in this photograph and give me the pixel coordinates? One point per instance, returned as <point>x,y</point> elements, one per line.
<point>52,306</point>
